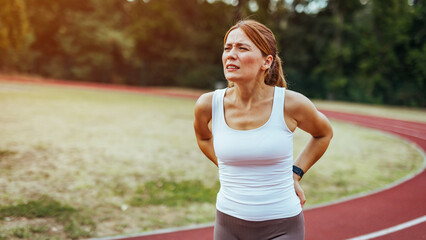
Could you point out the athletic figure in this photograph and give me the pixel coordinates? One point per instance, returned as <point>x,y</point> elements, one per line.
<point>247,131</point>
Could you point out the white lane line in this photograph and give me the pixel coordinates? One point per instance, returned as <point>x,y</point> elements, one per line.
<point>391,229</point>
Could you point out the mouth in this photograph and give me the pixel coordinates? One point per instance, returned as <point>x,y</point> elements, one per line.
<point>231,67</point>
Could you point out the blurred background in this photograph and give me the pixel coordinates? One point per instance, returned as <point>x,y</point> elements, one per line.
<point>78,162</point>
<point>371,51</point>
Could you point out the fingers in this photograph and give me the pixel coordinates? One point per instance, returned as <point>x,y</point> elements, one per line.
<point>302,199</point>
<point>300,193</point>
<point>301,196</point>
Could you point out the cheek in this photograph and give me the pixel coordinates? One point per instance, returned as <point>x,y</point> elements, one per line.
<point>250,60</point>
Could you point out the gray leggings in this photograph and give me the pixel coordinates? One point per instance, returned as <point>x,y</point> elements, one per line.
<point>231,228</point>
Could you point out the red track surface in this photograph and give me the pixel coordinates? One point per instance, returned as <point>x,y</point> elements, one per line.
<point>348,219</point>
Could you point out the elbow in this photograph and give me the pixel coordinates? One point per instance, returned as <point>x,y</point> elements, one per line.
<point>326,134</point>
<point>329,135</point>
<point>326,130</point>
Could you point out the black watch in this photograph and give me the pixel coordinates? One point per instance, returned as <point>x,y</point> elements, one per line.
<point>298,171</point>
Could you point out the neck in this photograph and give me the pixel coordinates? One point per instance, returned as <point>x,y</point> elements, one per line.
<point>251,92</point>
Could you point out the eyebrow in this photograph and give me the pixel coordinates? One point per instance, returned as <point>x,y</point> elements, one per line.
<point>238,44</point>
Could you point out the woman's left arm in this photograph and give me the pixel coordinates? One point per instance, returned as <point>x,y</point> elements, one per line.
<point>305,116</point>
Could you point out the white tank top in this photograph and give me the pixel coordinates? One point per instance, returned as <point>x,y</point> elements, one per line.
<point>255,166</point>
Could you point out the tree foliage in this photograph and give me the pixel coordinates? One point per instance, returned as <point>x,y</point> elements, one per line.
<point>15,35</point>
<point>354,50</point>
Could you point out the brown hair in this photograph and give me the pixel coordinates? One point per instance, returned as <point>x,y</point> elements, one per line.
<point>264,39</point>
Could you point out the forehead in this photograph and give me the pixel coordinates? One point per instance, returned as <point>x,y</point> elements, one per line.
<point>238,36</point>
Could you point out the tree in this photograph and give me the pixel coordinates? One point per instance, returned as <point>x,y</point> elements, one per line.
<point>15,34</point>
<point>391,50</point>
<point>171,37</point>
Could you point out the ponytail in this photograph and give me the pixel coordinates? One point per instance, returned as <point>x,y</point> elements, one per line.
<point>275,75</point>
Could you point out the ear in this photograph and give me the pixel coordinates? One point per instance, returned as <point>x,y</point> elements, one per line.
<point>267,63</point>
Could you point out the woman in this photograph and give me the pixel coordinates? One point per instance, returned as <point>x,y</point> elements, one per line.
<point>250,139</point>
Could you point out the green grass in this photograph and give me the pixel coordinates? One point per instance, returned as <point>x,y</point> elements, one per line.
<point>131,161</point>
<point>28,232</point>
<point>45,207</point>
<point>76,224</point>
<point>172,193</point>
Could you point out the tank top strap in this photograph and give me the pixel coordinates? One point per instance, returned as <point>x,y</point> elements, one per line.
<point>278,106</point>
<point>217,109</point>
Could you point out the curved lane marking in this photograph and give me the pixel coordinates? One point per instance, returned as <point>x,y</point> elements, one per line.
<point>391,229</point>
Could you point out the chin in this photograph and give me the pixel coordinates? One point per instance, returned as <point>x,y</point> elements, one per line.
<point>232,78</point>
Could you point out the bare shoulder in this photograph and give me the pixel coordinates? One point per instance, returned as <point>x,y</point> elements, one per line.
<point>308,118</point>
<point>297,104</point>
<point>203,105</point>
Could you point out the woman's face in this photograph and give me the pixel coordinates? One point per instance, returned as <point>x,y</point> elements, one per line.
<point>241,59</point>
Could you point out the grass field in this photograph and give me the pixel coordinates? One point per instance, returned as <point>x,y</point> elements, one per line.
<point>78,163</point>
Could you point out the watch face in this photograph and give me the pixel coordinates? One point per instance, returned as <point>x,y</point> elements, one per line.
<point>298,171</point>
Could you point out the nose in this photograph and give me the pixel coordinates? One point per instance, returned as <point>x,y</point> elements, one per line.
<point>231,54</point>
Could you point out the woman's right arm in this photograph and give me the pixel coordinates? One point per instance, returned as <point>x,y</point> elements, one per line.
<point>203,116</point>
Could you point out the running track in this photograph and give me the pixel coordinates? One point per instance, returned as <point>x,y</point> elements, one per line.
<point>395,213</point>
